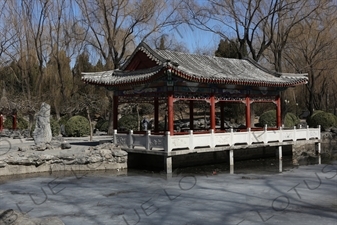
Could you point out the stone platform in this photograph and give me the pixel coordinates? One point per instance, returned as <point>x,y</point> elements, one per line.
<point>20,156</point>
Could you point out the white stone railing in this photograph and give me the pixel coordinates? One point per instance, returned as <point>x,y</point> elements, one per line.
<point>211,140</point>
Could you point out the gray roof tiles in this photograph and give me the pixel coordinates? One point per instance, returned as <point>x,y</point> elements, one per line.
<point>114,77</point>
<point>199,68</point>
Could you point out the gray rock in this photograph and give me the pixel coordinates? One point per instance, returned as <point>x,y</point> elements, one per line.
<point>119,153</point>
<point>23,149</point>
<point>65,145</point>
<point>106,153</point>
<point>334,130</point>
<point>42,132</point>
<point>55,144</point>
<point>41,147</point>
<point>58,139</point>
<point>20,161</point>
<point>26,133</point>
<point>67,157</point>
<point>2,164</point>
<point>104,141</point>
<point>17,137</point>
<point>16,218</point>
<point>94,159</point>
<point>82,160</point>
<point>46,157</point>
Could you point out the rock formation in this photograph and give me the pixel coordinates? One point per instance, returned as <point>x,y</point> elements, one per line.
<point>30,160</point>
<point>16,218</point>
<point>42,133</point>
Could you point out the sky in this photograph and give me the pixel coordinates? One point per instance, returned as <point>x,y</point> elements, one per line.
<point>195,38</point>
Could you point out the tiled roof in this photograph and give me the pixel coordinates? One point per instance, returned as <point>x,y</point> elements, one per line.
<point>199,68</point>
<point>115,77</point>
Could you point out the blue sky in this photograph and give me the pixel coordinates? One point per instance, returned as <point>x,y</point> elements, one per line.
<point>195,38</point>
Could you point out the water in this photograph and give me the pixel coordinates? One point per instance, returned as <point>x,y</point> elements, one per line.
<point>254,166</point>
<point>254,194</point>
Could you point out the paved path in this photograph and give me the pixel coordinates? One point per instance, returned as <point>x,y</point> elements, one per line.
<point>307,195</point>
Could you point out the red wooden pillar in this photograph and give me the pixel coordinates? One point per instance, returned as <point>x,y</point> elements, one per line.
<point>156,114</point>
<point>191,115</point>
<point>212,111</point>
<point>248,122</point>
<point>170,113</point>
<point>278,112</point>
<point>115,112</point>
<point>222,115</point>
<point>14,126</point>
<point>1,122</point>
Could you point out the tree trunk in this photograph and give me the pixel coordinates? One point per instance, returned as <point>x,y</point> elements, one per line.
<point>111,116</point>
<point>90,122</point>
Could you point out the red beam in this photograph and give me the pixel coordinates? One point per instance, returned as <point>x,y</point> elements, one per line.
<point>191,115</point>
<point>278,112</point>
<point>156,114</point>
<point>115,112</point>
<point>170,113</point>
<point>212,111</point>
<point>248,122</point>
<point>222,115</point>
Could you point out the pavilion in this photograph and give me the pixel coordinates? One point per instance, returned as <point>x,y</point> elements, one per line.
<point>162,76</point>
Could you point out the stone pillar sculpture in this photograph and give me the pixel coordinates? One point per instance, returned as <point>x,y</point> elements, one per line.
<point>42,133</point>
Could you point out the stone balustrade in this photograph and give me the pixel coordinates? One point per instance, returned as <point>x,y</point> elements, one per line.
<point>190,140</point>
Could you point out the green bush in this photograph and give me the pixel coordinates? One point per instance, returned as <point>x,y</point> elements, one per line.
<point>63,120</point>
<point>21,123</point>
<point>100,125</point>
<point>269,118</point>
<point>326,120</point>
<point>146,108</point>
<point>313,114</point>
<point>77,126</point>
<point>291,120</point>
<point>105,126</point>
<point>55,127</point>
<point>128,122</point>
<point>234,111</point>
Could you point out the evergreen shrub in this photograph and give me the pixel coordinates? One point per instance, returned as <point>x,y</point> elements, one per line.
<point>128,122</point>
<point>269,118</point>
<point>102,125</point>
<point>55,127</point>
<point>311,116</point>
<point>291,120</point>
<point>326,120</point>
<point>77,126</point>
<point>63,120</point>
<point>21,123</point>
<point>105,126</point>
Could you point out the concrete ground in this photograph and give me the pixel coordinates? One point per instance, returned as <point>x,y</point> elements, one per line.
<point>306,195</point>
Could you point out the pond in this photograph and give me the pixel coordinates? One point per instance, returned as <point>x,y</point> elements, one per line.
<point>256,193</point>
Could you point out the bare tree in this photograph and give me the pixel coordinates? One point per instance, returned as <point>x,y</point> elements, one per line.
<point>256,24</point>
<point>114,26</point>
<point>7,32</point>
<point>313,51</point>
<point>289,16</point>
<point>34,18</point>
